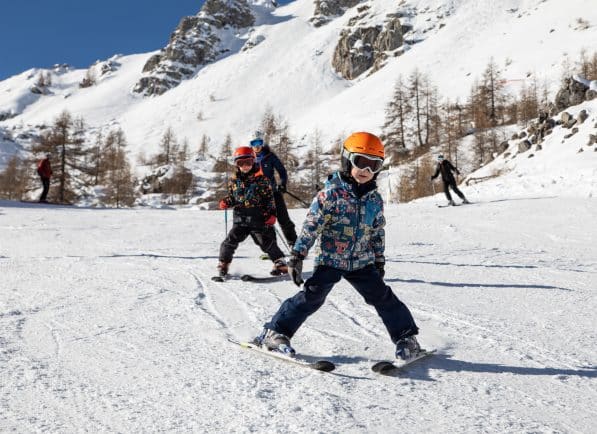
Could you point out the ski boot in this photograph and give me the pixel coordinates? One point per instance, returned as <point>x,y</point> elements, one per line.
<point>451,203</point>
<point>280,267</point>
<point>223,268</point>
<point>407,348</point>
<point>465,201</point>
<point>273,341</point>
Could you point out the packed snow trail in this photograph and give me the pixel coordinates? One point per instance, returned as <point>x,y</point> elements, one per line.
<point>109,322</point>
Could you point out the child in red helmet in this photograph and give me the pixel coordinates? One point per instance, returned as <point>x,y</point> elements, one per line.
<point>251,197</point>
<point>346,217</point>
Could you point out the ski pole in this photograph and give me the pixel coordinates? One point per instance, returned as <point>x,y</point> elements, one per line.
<point>433,186</point>
<point>283,239</point>
<point>298,198</point>
<point>226,210</point>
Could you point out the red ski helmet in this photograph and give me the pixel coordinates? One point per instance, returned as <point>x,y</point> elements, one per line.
<point>242,153</point>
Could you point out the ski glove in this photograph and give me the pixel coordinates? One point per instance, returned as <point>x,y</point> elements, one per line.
<point>223,204</point>
<point>270,221</point>
<point>295,268</point>
<point>281,188</point>
<point>380,267</point>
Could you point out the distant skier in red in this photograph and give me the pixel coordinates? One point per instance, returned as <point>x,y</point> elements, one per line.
<point>44,170</point>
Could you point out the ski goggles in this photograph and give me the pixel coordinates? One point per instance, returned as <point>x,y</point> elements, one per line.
<point>365,162</point>
<point>244,162</point>
<point>256,143</point>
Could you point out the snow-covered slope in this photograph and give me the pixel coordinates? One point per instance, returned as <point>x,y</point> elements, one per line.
<point>564,164</point>
<point>110,323</point>
<point>290,71</point>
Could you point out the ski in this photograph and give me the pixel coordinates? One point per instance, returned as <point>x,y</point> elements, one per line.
<point>250,278</point>
<point>446,206</point>
<point>263,279</point>
<point>318,365</point>
<point>386,367</point>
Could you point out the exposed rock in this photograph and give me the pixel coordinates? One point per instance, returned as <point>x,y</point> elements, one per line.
<point>565,117</point>
<point>524,146</point>
<point>361,48</point>
<point>503,146</point>
<point>325,10</point>
<point>592,139</point>
<point>582,116</point>
<point>571,93</point>
<point>194,43</point>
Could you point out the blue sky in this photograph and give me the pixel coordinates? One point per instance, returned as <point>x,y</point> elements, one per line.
<point>40,33</point>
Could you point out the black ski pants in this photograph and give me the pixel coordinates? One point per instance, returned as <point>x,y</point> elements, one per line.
<point>367,281</point>
<point>284,219</point>
<point>452,184</point>
<point>45,182</point>
<point>264,237</point>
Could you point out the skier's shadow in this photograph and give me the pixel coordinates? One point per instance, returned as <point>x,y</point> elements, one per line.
<point>445,362</point>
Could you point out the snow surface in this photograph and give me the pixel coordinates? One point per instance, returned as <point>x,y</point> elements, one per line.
<point>110,323</point>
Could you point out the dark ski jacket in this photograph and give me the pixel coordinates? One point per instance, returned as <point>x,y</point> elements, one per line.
<point>270,162</point>
<point>446,168</point>
<point>251,196</point>
<point>44,169</point>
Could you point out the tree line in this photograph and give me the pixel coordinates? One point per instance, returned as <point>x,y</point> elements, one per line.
<point>417,119</point>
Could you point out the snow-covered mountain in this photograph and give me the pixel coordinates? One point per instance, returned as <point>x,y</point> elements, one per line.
<point>109,321</point>
<point>284,58</point>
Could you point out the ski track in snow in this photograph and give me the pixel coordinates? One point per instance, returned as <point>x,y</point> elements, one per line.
<point>123,330</point>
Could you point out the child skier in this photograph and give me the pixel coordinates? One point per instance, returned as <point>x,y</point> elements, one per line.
<point>347,218</point>
<point>446,168</point>
<point>270,163</point>
<point>250,195</point>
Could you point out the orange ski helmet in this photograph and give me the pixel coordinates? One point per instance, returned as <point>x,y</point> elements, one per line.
<point>364,143</point>
<point>243,152</point>
<point>361,143</point>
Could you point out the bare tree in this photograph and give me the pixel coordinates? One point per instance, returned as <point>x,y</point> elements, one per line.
<point>167,147</point>
<point>397,113</point>
<point>64,143</point>
<point>14,179</point>
<point>203,146</point>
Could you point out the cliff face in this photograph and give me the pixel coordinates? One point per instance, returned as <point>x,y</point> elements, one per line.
<point>363,47</point>
<point>197,41</point>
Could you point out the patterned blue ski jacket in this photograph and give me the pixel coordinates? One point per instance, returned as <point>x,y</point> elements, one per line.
<point>350,229</point>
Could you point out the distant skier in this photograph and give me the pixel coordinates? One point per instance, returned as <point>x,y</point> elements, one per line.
<point>446,168</point>
<point>347,218</point>
<point>44,170</point>
<point>250,195</point>
<point>270,163</point>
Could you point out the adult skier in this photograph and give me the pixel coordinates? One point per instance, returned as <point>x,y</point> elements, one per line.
<point>250,195</point>
<point>347,218</point>
<point>44,170</point>
<point>270,163</point>
<point>446,168</point>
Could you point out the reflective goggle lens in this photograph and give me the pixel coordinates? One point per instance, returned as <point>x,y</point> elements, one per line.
<point>366,162</point>
<point>256,143</point>
<point>244,162</point>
